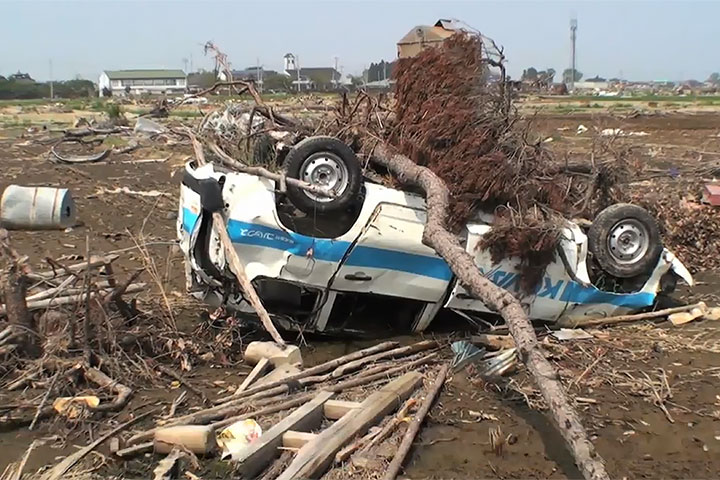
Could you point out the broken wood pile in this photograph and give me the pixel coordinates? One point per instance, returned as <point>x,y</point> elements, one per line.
<point>328,415</point>
<point>689,227</point>
<point>56,327</point>
<point>92,143</point>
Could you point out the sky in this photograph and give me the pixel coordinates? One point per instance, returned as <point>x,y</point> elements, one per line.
<point>632,39</point>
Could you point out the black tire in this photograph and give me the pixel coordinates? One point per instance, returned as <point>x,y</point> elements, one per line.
<point>335,157</point>
<point>625,240</point>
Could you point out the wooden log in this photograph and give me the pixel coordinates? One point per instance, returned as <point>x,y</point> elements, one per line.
<point>258,371</point>
<point>123,392</point>
<point>135,449</point>
<point>256,456</point>
<point>55,291</point>
<point>497,299</point>
<point>596,322</point>
<point>390,426</point>
<point>78,267</point>
<point>495,342</point>
<point>323,367</point>
<point>73,298</point>
<point>6,332</point>
<point>232,410</point>
<point>296,440</point>
<point>14,290</point>
<point>199,439</point>
<point>169,467</point>
<point>233,260</point>
<point>24,379</point>
<point>397,352</point>
<point>336,409</point>
<point>279,373</point>
<point>265,173</point>
<point>314,458</point>
<point>415,425</point>
<point>239,270</point>
<point>59,470</point>
<point>277,355</point>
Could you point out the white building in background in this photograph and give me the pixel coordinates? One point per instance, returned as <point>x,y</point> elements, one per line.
<point>137,82</point>
<point>311,78</point>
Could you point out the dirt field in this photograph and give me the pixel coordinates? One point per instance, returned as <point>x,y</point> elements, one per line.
<point>614,376</point>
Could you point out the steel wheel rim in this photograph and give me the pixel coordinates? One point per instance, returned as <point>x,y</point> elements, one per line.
<point>327,171</point>
<point>628,241</point>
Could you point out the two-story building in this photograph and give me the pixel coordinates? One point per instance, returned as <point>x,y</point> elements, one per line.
<point>136,82</point>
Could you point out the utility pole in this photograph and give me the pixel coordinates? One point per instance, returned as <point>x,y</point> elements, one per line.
<point>297,66</point>
<point>185,65</point>
<point>52,89</point>
<point>259,74</point>
<point>573,37</point>
<point>191,63</point>
<point>335,69</point>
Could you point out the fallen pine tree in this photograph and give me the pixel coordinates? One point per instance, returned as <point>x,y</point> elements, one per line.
<point>497,299</point>
<point>452,138</point>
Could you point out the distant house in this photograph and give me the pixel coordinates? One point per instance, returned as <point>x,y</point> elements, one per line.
<point>255,74</point>
<point>21,78</point>
<point>424,36</point>
<point>122,82</point>
<point>311,78</point>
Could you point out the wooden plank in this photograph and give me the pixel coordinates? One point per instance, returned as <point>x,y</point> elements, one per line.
<point>294,439</point>
<point>260,368</point>
<point>313,459</point>
<point>336,409</point>
<point>261,452</point>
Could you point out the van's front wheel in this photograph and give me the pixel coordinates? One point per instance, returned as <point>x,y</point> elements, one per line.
<point>328,163</point>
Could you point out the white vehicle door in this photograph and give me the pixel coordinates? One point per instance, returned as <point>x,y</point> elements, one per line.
<point>547,302</point>
<point>389,258</point>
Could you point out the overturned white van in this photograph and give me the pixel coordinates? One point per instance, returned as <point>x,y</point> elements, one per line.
<point>365,242</point>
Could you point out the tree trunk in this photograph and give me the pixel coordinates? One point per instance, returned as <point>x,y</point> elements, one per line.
<point>499,300</point>
<point>14,290</point>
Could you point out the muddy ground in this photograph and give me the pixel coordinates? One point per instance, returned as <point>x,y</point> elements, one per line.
<point>613,376</point>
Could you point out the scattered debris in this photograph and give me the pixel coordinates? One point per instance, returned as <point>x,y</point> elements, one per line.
<point>465,353</point>
<point>571,334</point>
<point>235,437</point>
<point>194,438</point>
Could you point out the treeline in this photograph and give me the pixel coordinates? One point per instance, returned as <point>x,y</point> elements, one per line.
<point>11,89</point>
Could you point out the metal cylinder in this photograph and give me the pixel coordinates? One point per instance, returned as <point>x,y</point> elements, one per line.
<point>36,208</point>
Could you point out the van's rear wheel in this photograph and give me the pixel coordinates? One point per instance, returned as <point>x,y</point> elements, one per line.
<point>625,240</point>
<point>328,163</point>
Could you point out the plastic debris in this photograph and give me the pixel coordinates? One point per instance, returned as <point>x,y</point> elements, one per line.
<point>145,125</point>
<point>581,129</point>
<point>73,407</point>
<point>571,334</point>
<point>234,438</point>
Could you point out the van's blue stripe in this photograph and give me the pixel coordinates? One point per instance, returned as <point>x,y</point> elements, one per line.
<point>331,250</point>
<point>363,256</point>
<point>189,219</point>
<point>326,249</point>
<point>576,293</point>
